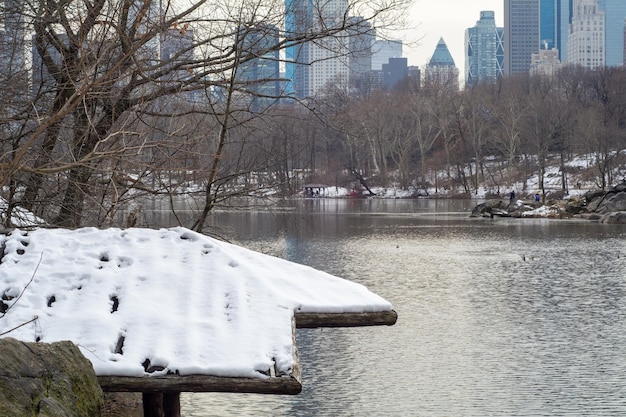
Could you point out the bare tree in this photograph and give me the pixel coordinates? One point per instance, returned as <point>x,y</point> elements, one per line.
<point>103,69</point>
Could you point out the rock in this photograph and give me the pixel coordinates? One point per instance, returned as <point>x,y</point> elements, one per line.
<point>488,208</point>
<point>621,187</point>
<point>576,205</point>
<point>612,202</point>
<point>47,380</point>
<point>618,217</point>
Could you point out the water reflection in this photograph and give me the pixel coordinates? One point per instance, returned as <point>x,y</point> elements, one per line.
<point>505,317</point>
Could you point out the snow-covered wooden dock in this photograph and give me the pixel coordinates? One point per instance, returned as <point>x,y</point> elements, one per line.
<point>169,311</point>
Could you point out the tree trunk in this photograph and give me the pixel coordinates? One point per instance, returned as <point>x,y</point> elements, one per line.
<point>71,210</point>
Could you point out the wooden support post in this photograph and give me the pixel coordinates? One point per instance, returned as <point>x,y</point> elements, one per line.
<point>171,404</point>
<point>153,404</point>
<point>158,404</point>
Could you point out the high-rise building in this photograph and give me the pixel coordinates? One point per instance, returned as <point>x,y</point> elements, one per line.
<point>313,66</point>
<point>614,12</point>
<point>260,72</point>
<point>481,47</point>
<point>441,69</point>
<point>586,39</point>
<point>383,49</point>
<point>521,36</point>
<point>555,17</point>
<point>360,41</point>
<point>298,16</point>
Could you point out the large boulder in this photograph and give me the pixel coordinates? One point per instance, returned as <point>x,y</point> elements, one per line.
<point>616,217</point>
<point>612,202</point>
<point>47,380</point>
<point>489,208</point>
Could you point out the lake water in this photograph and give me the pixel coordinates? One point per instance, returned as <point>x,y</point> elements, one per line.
<point>502,317</point>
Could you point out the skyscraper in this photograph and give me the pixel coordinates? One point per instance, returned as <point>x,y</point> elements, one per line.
<point>441,69</point>
<point>313,66</point>
<point>586,39</point>
<point>481,46</point>
<point>260,72</point>
<point>555,17</point>
<point>614,12</point>
<point>521,36</point>
<point>297,20</point>
<point>361,39</point>
<point>383,49</point>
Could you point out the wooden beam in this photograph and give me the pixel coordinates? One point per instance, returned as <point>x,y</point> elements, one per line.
<point>374,318</point>
<point>288,385</point>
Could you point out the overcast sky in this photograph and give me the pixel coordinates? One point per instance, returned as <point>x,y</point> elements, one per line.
<point>433,19</point>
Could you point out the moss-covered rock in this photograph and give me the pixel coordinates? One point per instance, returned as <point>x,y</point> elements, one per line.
<point>46,380</point>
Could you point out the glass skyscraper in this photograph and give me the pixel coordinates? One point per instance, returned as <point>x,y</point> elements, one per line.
<point>615,12</point>
<point>297,20</point>
<point>555,16</point>
<point>312,66</point>
<point>261,73</point>
<point>481,47</point>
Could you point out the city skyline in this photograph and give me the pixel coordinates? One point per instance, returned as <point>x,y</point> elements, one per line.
<point>431,20</point>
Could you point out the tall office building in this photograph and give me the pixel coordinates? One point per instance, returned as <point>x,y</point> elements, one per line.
<point>313,66</point>
<point>360,41</point>
<point>383,49</point>
<point>614,12</point>
<point>260,72</point>
<point>555,17</point>
<point>481,47</point>
<point>441,69</point>
<point>521,36</point>
<point>298,15</point>
<point>586,39</point>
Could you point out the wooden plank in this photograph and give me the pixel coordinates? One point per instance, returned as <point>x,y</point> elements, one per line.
<point>375,318</point>
<point>200,383</point>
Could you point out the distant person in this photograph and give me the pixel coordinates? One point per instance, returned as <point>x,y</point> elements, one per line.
<point>512,196</point>
<point>537,196</point>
